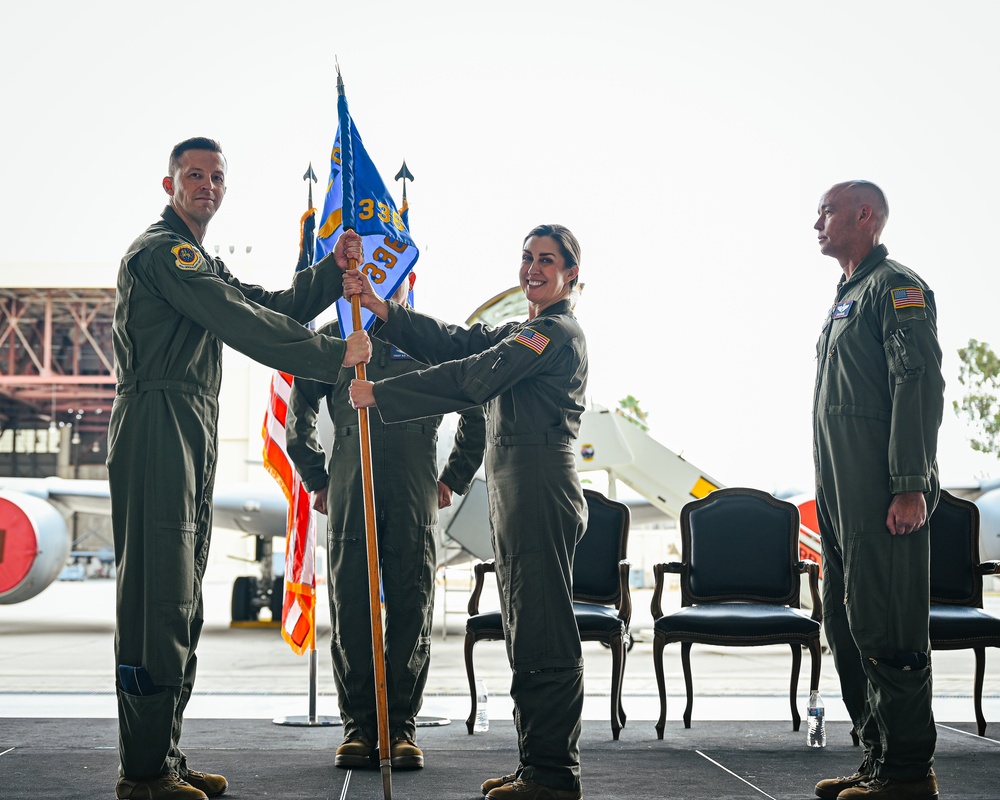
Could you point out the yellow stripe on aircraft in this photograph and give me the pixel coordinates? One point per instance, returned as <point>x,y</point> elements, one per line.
<point>702,488</point>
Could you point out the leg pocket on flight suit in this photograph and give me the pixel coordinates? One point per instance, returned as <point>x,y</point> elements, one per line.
<point>169,639</point>
<point>409,593</point>
<point>350,612</point>
<point>413,567</point>
<point>175,562</point>
<point>527,610</point>
<point>867,588</point>
<point>145,729</point>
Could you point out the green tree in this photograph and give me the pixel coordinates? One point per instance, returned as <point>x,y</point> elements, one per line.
<point>979,373</point>
<point>634,414</point>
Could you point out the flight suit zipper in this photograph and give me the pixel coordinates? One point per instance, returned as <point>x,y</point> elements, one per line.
<point>848,561</point>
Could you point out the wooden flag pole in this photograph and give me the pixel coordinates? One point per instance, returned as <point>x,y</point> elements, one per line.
<point>374,594</point>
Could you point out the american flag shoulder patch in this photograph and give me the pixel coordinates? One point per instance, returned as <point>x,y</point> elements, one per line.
<point>910,297</point>
<point>532,339</point>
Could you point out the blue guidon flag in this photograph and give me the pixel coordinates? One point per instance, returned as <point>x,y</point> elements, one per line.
<point>357,198</point>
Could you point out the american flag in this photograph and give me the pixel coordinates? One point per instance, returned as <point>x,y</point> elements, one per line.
<point>905,298</point>
<point>298,607</point>
<point>532,339</point>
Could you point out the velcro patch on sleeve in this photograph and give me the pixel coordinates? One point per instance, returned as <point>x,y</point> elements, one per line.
<point>532,339</point>
<point>910,297</point>
<point>187,257</point>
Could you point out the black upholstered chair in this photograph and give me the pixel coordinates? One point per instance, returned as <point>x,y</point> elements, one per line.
<point>958,621</point>
<point>601,599</point>
<point>740,583</point>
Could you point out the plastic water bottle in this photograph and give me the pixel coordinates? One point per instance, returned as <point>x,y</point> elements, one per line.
<point>817,721</point>
<point>482,715</point>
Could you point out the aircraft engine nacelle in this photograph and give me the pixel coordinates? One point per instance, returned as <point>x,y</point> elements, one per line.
<point>34,546</point>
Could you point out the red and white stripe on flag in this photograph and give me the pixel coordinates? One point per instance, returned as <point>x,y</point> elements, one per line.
<point>298,609</point>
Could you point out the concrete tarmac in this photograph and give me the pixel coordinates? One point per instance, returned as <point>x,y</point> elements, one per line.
<point>58,729</point>
<point>56,660</point>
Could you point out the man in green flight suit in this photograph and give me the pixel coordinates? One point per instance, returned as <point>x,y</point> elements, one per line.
<point>176,306</point>
<point>408,493</point>
<point>879,398</point>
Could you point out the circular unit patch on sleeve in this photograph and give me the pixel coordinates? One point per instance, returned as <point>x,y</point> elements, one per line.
<point>187,257</point>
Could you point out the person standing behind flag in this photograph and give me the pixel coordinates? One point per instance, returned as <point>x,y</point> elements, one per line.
<point>408,493</point>
<point>879,397</point>
<point>532,376</point>
<point>175,307</point>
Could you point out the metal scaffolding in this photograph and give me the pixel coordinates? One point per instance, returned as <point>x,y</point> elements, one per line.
<point>56,359</point>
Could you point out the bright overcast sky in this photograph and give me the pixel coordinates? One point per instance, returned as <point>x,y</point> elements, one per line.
<point>685,143</point>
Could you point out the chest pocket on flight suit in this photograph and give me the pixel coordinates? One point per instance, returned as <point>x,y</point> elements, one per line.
<point>904,358</point>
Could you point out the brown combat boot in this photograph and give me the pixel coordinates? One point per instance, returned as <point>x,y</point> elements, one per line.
<point>211,785</point>
<point>892,789</point>
<point>496,783</point>
<point>162,787</point>
<point>355,753</point>
<point>831,788</point>
<point>404,754</point>
<point>529,790</point>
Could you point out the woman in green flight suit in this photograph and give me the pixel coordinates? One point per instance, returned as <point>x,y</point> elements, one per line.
<point>532,377</point>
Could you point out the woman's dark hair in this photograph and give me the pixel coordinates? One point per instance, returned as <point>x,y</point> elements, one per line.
<point>568,244</point>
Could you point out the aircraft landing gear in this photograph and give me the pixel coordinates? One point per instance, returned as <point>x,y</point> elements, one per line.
<point>250,598</point>
<point>244,591</point>
<point>251,594</point>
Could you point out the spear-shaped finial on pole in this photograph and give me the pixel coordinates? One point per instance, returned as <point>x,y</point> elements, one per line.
<point>404,175</point>
<point>310,176</point>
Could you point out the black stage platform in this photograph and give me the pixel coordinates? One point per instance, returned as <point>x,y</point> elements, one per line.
<point>77,758</point>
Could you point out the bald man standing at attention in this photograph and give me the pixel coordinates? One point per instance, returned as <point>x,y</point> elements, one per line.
<point>878,404</point>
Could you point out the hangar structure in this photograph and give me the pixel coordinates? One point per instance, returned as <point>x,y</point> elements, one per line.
<point>57,379</point>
